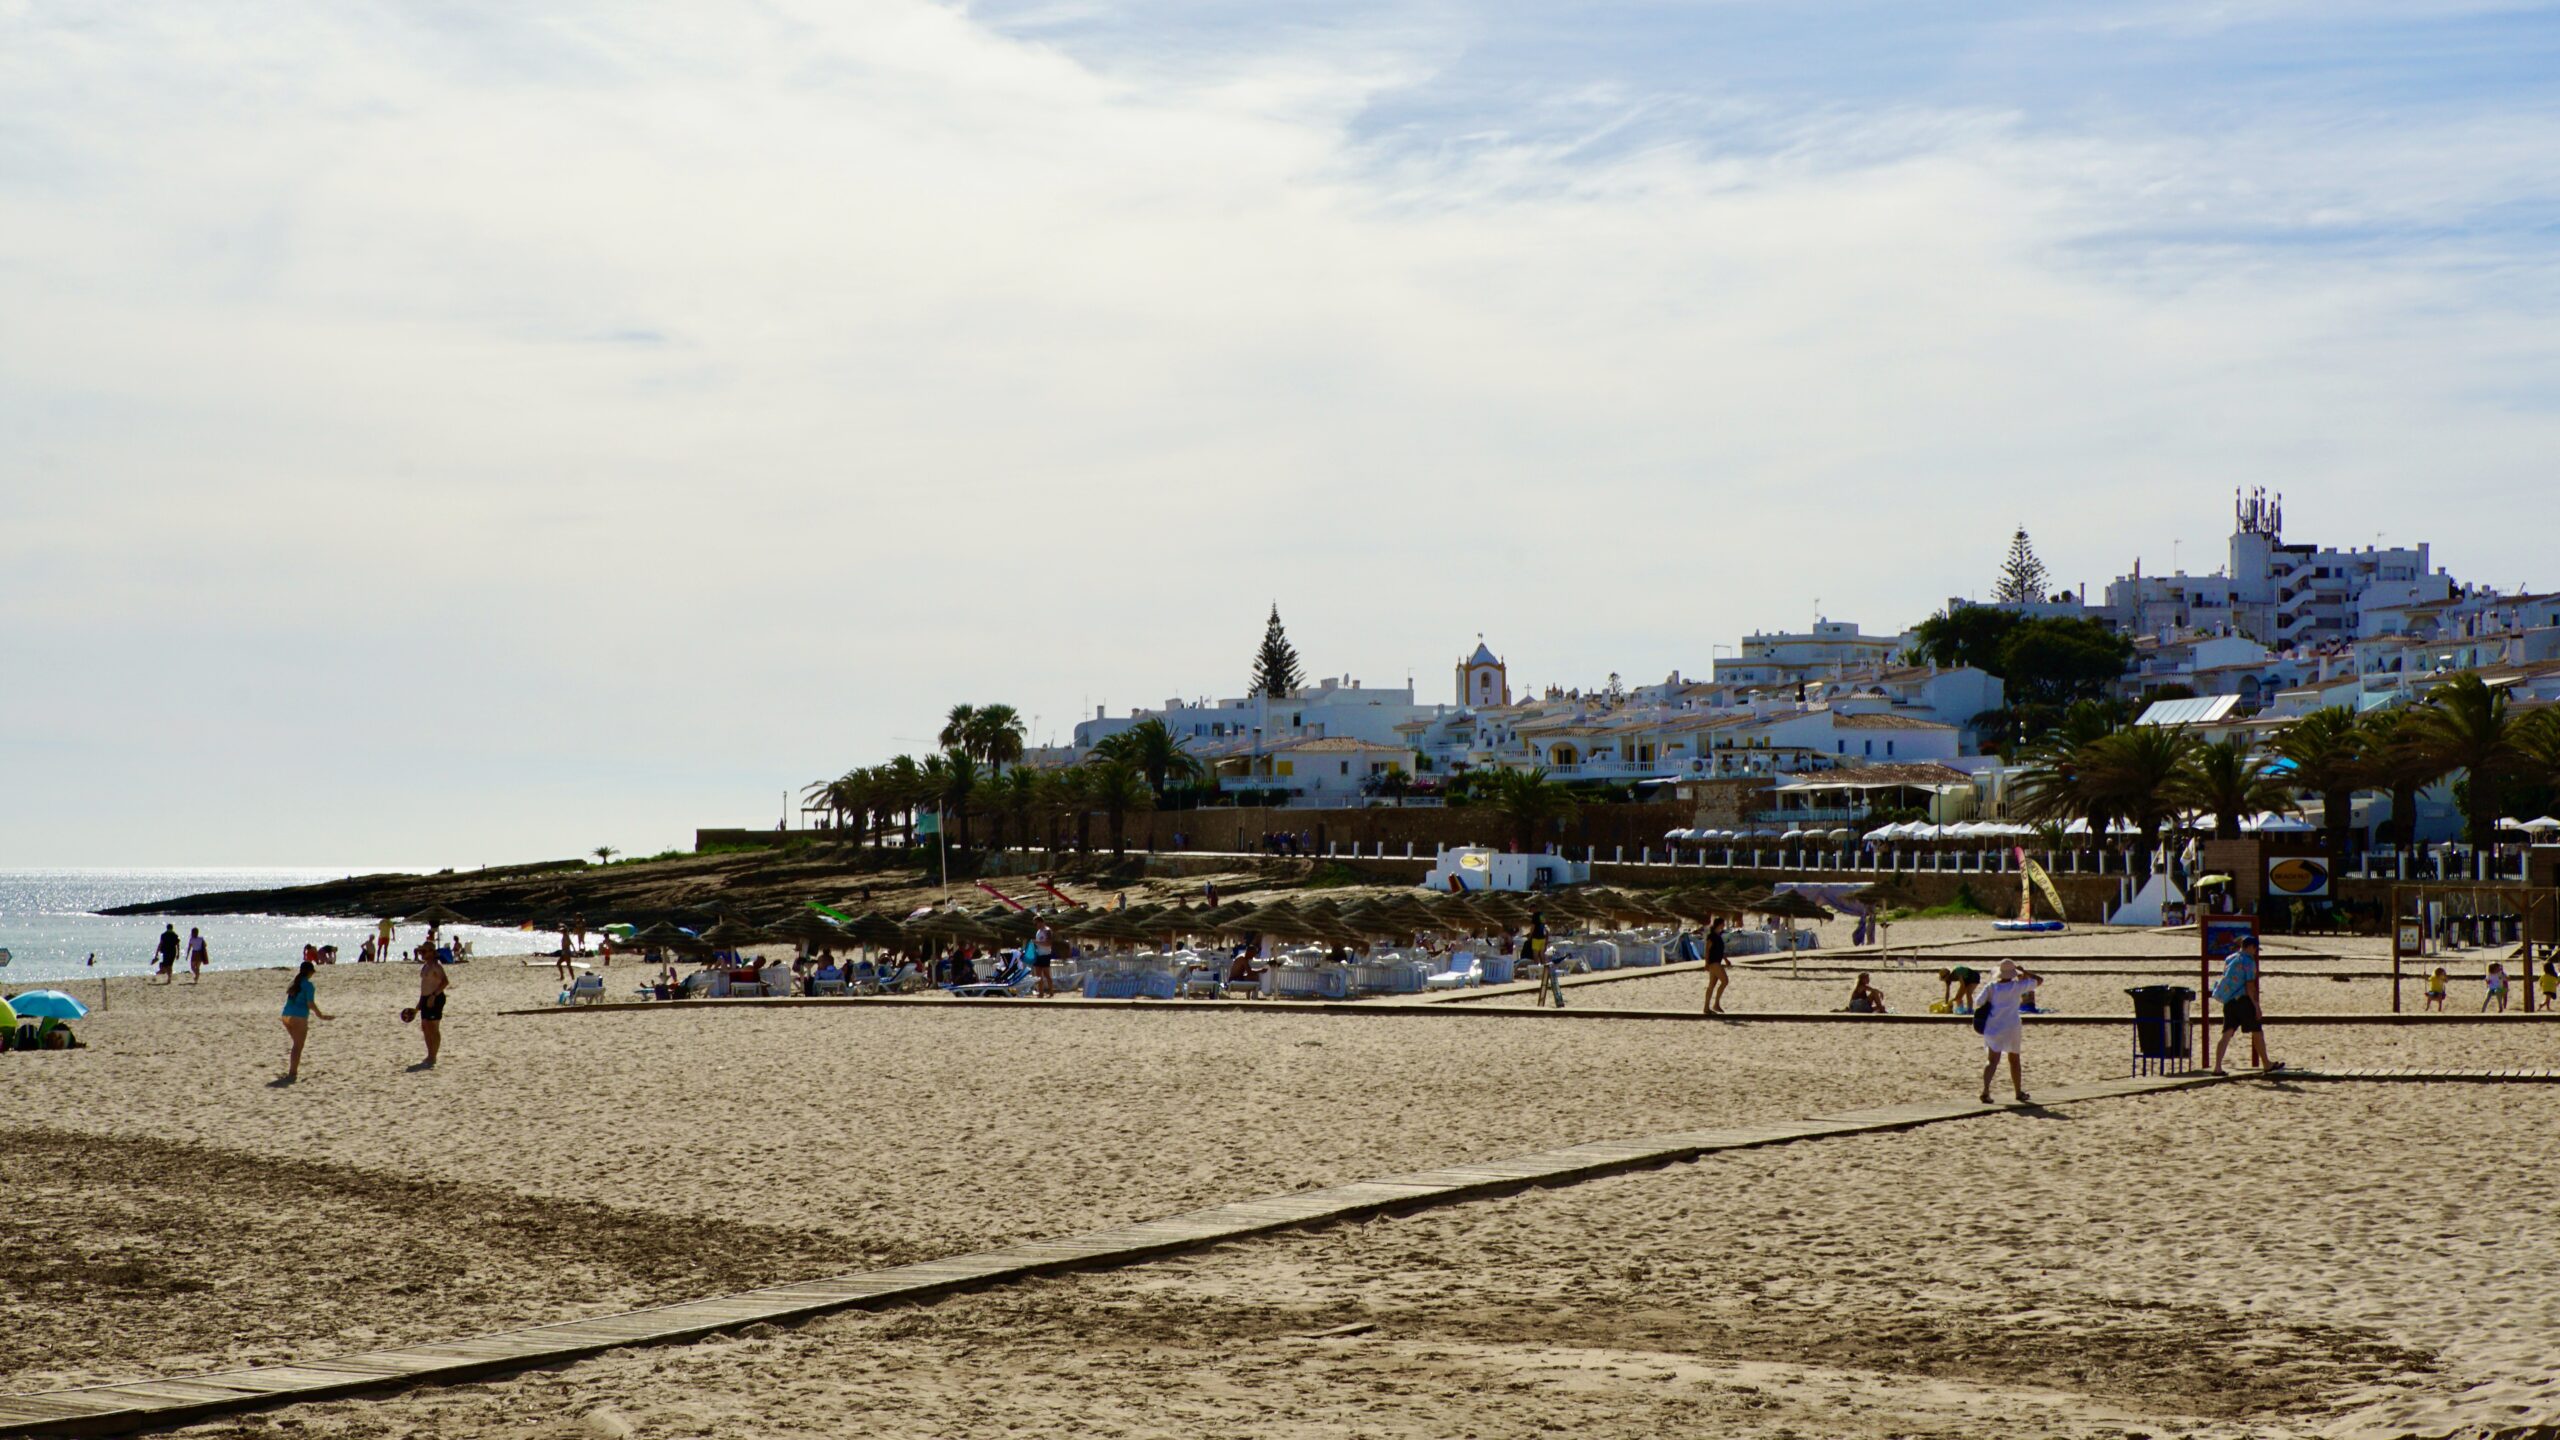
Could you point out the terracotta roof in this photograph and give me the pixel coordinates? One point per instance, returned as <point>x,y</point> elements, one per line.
<point>1887,722</point>
<point>1333,745</point>
<point>1904,773</point>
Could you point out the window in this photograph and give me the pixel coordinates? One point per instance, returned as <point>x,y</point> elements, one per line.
<point>1888,748</point>
<point>1346,767</point>
<point>1288,767</point>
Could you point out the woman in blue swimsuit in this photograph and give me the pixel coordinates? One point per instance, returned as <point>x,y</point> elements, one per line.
<point>301,1005</point>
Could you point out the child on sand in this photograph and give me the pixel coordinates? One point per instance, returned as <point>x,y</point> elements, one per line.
<point>2497,988</point>
<point>2436,984</point>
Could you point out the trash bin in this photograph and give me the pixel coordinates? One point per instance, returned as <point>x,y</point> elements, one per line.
<point>2160,1037</point>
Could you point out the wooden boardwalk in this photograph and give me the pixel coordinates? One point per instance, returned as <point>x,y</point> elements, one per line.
<point>163,1403</point>
<point>1439,1005</point>
<point>2464,1077</point>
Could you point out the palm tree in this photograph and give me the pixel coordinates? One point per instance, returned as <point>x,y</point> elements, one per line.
<point>2054,788</point>
<point>604,854</point>
<point>2227,779</point>
<point>2465,725</point>
<point>2539,739</point>
<point>2326,750</point>
<point>1158,753</point>
<point>955,734</point>
<point>1528,803</point>
<point>905,791</point>
<point>2396,761</point>
<point>1009,797</point>
<point>995,734</point>
<point>2138,774</point>
<point>949,778</point>
<point>1067,794</point>
<point>1118,788</point>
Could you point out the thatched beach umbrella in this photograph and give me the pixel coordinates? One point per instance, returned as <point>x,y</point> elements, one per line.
<point>1791,906</point>
<point>732,935</point>
<point>1880,899</point>
<point>435,918</point>
<point>807,929</point>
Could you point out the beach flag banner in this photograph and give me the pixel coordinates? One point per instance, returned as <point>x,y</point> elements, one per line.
<point>2044,885</point>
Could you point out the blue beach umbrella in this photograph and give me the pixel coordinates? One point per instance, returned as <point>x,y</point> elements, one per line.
<point>47,1005</point>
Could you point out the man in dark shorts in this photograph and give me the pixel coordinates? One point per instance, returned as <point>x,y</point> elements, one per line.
<point>2237,989</point>
<point>168,955</point>
<point>434,984</point>
<point>1043,950</point>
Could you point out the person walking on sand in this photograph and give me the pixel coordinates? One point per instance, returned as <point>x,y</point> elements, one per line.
<point>434,984</point>
<point>2237,990</point>
<point>561,963</point>
<point>1535,946</point>
<point>195,956</point>
<point>1719,970</point>
<point>166,955</point>
<point>2003,1032</point>
<point>2497,988</point>
<point>382,940</point>
<point>301,1007</point>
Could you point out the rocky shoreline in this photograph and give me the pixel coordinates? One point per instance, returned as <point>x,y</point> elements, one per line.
<point>759,885</point>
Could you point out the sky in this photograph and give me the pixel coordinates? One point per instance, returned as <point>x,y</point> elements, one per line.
<point>479,432</point>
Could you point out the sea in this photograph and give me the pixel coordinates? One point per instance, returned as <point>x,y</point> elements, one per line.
<point>52,932</point>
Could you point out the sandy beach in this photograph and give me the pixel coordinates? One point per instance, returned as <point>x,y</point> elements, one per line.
<point>2257,1259</point>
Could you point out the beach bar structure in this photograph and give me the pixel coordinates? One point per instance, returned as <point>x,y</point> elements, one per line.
<point>1476,868</point>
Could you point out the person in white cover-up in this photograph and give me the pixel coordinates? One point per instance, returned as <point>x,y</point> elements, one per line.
<point>2003,1032</point>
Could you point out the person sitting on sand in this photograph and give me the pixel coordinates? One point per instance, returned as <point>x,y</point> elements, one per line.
<point>1240,970</point>
<point>55,1034</point>
<point>2497,988</point>
<point>2437,984</point>
<point>1865,998</point>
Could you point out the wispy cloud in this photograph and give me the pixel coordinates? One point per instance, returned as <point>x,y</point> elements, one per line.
<point>707,395</point>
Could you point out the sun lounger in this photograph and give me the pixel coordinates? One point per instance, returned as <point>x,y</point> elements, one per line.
<point>1462,972</point>
<point>826,987</point>
<point>585,990</point>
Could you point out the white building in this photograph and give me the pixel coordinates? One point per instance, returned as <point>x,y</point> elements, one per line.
<point>1334,708</point>
<point>1330,771</point>
<point>1830,649</point>
<point>2286,596</point>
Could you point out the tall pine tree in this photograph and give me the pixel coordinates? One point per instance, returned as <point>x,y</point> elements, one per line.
<point>2023,578</point>
<point>1275,666</point>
